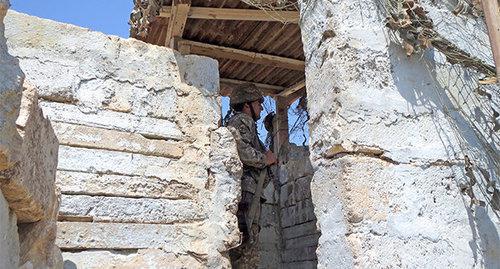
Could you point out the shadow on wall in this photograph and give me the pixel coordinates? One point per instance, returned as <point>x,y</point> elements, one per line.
<point>450,90</point>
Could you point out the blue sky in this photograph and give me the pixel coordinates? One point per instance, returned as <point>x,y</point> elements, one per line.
<point>110,17</point>
<point>107,16</point>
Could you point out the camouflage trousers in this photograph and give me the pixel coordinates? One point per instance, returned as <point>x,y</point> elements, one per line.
<point>246,255</point>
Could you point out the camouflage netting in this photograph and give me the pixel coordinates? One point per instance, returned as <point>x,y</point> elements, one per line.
<point>273,4</point>
<point>143,14</point>
<point>416,30</point>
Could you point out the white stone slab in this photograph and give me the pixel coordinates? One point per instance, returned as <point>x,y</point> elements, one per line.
<point>112,162</point>
<point>99,138</point>
<point>150,127</point>
<point>131,210</point>
<point>123,186</point>
<point>178,238</point>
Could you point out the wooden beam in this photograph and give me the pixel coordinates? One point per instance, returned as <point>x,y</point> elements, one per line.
<point>295,88</point>
<point>492,16</point>
<point>215,51</point>
<point>177,22</point>
<point>208,13</point>
<point>265,88</point>
<point>293,97</point>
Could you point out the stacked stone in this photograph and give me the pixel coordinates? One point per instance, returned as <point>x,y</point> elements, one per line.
<point>298,222</point>
<point>28,158</point>
<point>147,179</point>
<point>270,231</point>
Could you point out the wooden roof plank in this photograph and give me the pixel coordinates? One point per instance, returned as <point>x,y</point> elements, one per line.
<point>266,89</point>
<point>238,14</point>
<point>177,22</point>
<point>215,51</point>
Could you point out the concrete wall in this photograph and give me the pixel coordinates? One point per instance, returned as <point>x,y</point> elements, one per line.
<point>298,221</point>
<point>146,177</point>
<point>390,136</point>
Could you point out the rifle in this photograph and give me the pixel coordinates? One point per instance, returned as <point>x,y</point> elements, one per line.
<point>254,206</point>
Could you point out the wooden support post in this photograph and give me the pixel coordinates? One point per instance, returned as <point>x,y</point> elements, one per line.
<point>281,135</point>
<point>492,16</point>
<point>177,21</point>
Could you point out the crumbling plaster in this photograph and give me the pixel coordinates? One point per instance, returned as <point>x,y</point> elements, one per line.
<point>389,139</point>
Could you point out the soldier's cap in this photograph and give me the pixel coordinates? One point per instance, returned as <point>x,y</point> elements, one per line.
<point>245,93</point>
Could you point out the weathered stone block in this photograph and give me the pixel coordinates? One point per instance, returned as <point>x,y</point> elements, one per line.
<point>177,238</point>
<point>98,138</point>
<point>301,265</point>
<point>123,186</point>
<point>300,230</point>
<point>31,189</point>
<point>10,99</point>
<point>9,239</point>
<point>129,259</point>
<point>38,247</point>
<point>302,211</point>
<point>131,210</point>
<point>304,241</point>
<point>149,127</point>
<point>113,162</point>
<point>299,254</point>
<point>295,191</point>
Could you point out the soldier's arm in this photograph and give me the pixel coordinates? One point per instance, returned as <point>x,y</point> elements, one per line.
<point>248,155</point>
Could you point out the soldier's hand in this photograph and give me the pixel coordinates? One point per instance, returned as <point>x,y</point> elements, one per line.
<point>270,158</point>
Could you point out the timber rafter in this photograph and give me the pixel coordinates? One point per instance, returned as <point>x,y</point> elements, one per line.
<point>215,51</point>
<point>208,13</point>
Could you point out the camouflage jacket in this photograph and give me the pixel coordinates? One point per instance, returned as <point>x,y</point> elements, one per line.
<point>250,149</point>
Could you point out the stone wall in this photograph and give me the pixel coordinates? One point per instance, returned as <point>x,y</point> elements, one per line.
<point>298,221</point>
<point>10,88</point>
<point>405,150</point>
<point>270,230</point>
<point>146,177</point>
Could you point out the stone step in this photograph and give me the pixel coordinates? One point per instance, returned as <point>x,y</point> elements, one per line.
<point>131,210</point>
<point>123,186</point>
<point>99,138</point>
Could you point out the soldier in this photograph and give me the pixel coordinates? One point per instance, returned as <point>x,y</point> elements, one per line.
<point>246,104</point>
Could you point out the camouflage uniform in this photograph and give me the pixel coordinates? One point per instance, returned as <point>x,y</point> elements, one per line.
<point>252,154</point>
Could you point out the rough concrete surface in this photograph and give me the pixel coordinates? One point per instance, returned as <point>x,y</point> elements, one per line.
<point>391,138</point>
